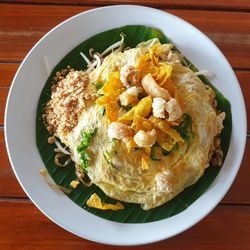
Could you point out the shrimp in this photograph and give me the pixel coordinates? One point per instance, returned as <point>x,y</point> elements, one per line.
<point>174,110</point>
<point>119,130</point>
<point>130,95</point>
<point>145,139</point>
<point>159,107</point>
<point>152,88</point>
<point>128,76</point>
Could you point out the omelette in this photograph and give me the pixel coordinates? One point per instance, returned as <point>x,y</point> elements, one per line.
<point>138,123</point>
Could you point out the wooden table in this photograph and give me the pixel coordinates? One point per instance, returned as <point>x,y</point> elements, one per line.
<point>23,23</point>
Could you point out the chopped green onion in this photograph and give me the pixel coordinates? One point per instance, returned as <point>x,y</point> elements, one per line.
<point>185,128</point>
<point>153,156</point>
<point>108,157</point>
<point>99,85</point>
<point>165,152</point>
<point>82,148</point>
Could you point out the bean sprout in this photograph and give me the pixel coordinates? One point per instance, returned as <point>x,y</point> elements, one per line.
<point>205,73</point>
<point>61,148</point>
<point>85,58</point>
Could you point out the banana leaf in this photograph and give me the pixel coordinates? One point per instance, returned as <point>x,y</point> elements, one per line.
<point>132,213</point>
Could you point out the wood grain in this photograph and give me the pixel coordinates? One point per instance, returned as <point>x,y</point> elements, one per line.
<point>238,194</point>
<point>7,72</point>
<point>28,23</point>
<point>3,98</point>
<point>9,185</point>
<point>244,80</point>
<point>30,229</point>
<point>215,4</point>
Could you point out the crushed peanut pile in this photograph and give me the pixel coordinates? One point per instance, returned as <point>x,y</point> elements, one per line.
<point>67,101</point>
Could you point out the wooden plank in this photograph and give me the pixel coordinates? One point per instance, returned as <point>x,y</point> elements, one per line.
<point>30,229</point>
<point>7,72</point>
<point>3,98</point>
<point>239,192</point>
<point>9,185</point>
<point>218,4</point>
<point>243,78</point>
<point>23,25</point>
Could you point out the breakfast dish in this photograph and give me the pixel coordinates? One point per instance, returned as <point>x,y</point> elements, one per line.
<point>137,122</point>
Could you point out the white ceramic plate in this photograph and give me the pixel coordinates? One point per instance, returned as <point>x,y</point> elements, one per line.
<point>21,112</point>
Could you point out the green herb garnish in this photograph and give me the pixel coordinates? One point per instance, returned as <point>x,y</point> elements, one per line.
<point>82,148</point>
<point>108,157</point>
<point>153,155</point>
<point>165,152</point>
<point>128,107</point>
<point>99,85</point>
<point>185,128</point>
